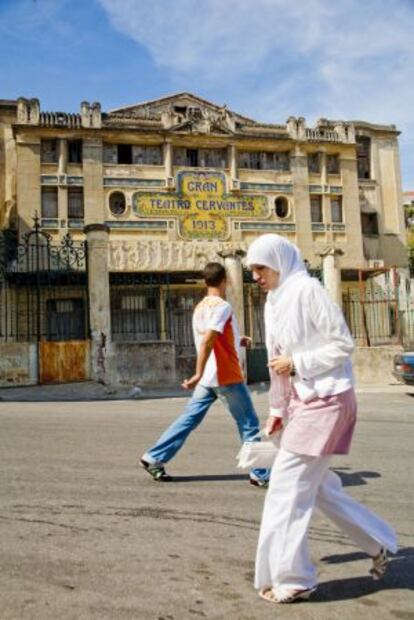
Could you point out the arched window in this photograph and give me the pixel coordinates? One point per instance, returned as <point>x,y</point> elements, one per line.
<point>117,203</point>
<point>281,207</point>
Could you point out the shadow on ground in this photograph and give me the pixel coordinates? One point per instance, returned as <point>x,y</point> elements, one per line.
<point>399,576</point>
<point>348,479</point>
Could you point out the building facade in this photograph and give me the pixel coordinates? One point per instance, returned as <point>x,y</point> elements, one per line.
<point>162,187</point>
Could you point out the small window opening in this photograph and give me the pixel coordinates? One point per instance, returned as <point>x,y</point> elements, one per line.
<point>281,207</point>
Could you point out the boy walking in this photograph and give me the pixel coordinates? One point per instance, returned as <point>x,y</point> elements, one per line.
<point>218,375</point>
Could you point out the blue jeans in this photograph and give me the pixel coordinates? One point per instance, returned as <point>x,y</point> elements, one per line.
<point>238,401</point>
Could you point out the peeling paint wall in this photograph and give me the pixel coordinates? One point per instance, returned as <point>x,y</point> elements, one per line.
<point>18,364</point>
<point>143,363</point>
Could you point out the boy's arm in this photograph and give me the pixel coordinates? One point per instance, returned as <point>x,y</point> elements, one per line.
<point>206,346</point>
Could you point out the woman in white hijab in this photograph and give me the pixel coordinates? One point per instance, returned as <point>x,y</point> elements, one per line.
<point>312,398</point>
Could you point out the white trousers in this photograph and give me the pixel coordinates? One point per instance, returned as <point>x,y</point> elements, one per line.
<point>297,484</point>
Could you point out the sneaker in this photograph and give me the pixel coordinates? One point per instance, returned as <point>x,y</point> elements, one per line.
<point>379,565</point>
<point>156,471</point>
<point>259,483</point>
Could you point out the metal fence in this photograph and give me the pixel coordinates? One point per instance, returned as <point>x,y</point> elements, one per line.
<point>43,288</point>
<point>380,311</point>
<point>151,307</point>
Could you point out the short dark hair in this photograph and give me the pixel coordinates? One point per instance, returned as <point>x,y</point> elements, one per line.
<point>214,274</point>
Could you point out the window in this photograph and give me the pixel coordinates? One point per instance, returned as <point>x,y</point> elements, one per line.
<point>332,164</point>
<point>212,158</point>
<point>124,154</point>
<point>281,207</point>
<point>263,160</point>
<point>75,203</point>
<point>147,155</point>
<point>200,158</point>
<point>192,158</point>
<point>336,210</point>
<point>135,314</point>
<point>75,151</point>
<point>369,222</point>
<point>314,163</point>
<point>316,209</point>
<point>117,203</point>
<point>49,202</point>
<point>364,157</point>
<point>110,153</point>
<point>65,319</point>
<point>48,151</point>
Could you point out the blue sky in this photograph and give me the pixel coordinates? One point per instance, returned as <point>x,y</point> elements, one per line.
<point>267,59</point>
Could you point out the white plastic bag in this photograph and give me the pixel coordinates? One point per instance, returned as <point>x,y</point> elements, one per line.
<point>259,454</point>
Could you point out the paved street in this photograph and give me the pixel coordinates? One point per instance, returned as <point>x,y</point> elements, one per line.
<point>86,535</point>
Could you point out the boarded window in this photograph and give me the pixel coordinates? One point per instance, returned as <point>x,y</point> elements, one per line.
<point>49,202</point>
<point>180,156</point>
<point>316,209</point>
<point>364,157</point>
<point>75,151</point>
<point>110,153</point>
<point>212,158</point>
<point>49,151</point>
<point>336,209</point>
<point>263,160</point>
<point>332,164</point>
<point>75,203</point>
<point>147,155</point>
<point>314,163</point>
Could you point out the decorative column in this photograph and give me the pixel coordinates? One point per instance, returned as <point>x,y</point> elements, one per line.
<point>97,236</point>
<point>234,291</point>
<point>332,273</point>
<point>63,156</point>
<point>168,159</point>
<point>232,161</point>
<point>300,181</point>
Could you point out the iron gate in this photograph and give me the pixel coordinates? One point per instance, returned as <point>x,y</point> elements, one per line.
<point>44,300</point>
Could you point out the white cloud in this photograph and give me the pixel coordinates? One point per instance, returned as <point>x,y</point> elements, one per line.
<point>347,59</point>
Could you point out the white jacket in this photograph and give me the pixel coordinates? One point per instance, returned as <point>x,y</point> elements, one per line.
<point>302,322</point>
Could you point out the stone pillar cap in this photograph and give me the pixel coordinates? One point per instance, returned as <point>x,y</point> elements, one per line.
<point>96,227</point>
<point>232,253</point>
<point>331,252</point>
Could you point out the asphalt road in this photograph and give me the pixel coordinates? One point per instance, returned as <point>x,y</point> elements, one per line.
<point>84,534</point>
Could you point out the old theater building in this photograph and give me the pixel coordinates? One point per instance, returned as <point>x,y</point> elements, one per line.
<point>156,190</point>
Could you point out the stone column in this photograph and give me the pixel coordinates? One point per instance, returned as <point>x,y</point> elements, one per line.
<point>95,208</point>
<point>97,236</point>
<point>232,161</point>
<point>234,292</point>
<point>63,156</point>
<point>332,273</point>
<point>168,158</point>
<point>300,180</point>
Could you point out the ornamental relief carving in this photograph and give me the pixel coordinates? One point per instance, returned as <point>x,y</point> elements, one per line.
<point>148,255</point>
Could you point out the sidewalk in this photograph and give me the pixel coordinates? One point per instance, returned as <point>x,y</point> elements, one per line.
<point>90,390</point>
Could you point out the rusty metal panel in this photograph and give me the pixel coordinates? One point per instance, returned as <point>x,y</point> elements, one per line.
<point>63,362</point>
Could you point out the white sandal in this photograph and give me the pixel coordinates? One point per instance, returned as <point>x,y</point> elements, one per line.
<point>379,565</point>
<point>289,596</point>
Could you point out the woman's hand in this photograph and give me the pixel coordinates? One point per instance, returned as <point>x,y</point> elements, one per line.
<point>273,425</point>
<point>281,365</point>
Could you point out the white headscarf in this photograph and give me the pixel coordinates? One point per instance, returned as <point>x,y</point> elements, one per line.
<point>284,257</point>
<point>277,253</point>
